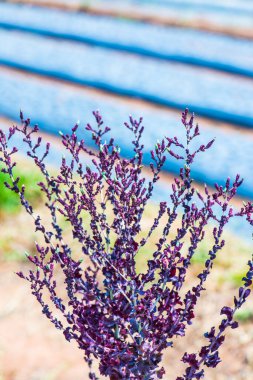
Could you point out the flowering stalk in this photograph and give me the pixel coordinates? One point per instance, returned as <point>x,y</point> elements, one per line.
<point>124,318</point>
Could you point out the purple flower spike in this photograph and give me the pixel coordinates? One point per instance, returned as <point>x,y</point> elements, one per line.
<point>115,314</point>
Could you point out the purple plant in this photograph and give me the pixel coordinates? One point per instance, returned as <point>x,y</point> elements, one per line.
<point>124,318</point>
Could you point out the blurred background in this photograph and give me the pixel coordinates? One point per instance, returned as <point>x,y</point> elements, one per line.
<point>62,59</point>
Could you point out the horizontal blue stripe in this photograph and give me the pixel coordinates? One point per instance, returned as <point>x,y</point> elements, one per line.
<point>185,59</point>
<point>214,114</point>
<point>204,7</point>
<point>56,106</point>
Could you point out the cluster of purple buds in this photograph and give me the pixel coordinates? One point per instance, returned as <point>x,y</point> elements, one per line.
<point>121,317</point>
